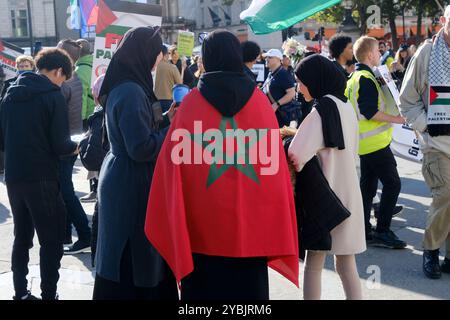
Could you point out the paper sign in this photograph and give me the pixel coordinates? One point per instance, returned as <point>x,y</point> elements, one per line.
<point>259,70</point>
<point>439,105</point>
<point>186,41</point>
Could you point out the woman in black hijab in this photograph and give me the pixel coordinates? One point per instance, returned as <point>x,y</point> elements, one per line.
<point>224,84</point>
<point>128,267</point>
<point>330,132</point>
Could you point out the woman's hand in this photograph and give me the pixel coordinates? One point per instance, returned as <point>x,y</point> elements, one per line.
<point>287,132</point>
<point>172,111</point>
<point>77,150</point>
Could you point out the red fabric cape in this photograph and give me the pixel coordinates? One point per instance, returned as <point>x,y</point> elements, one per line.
<point>199,208</point>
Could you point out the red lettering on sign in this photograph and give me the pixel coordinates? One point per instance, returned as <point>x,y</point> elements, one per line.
<point>112,38</point>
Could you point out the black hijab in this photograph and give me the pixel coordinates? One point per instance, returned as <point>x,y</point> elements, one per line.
<point>221,51</point>
<point>224,85</point>
<point>133,61</point>
<point>322,77</point>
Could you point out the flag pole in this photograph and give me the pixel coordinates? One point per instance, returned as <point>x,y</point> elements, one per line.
<point>30,26</point>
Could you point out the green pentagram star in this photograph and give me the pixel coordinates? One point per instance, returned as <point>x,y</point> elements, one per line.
<point>216,171</point>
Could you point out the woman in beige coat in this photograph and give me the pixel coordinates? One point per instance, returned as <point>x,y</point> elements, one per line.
<point>330,131</point>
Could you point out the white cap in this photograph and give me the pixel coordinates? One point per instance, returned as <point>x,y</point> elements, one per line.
<point>273,53</point>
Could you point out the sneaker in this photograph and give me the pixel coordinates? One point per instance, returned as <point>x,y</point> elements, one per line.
<point>78,247</point>
<point>376,210</point>
<point>91,197</point>
<point>445,266</point>
<point>430,265</point>
<point>387,239</point>
<point>68,242</point>
<point>369,236</point>
<point>56,297</point>
<point>27,297</point>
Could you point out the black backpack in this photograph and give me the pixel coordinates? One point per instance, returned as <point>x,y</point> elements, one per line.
<point>95,145</point>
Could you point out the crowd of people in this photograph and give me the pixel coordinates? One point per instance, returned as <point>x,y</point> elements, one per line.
<point>214,226</point>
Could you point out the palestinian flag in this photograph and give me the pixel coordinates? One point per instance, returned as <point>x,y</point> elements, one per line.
<point>439,106</point>
<point>210,196</point>
<point>105,17</point>
<point>266,16</point>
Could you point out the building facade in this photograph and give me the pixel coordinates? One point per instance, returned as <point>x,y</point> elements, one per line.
<point>212,14</point>
<point>15,26</point>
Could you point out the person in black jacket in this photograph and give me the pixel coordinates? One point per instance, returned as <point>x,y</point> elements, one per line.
<point>2,77</point>
<point>341,50</point>
<point>250,52</point>
<point>34,133</point>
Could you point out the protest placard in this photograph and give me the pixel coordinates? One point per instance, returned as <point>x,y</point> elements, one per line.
<point>115,18</point>
<point>186,42</point>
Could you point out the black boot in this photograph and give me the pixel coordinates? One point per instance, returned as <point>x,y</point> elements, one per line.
<point>445,266</point>
<point>431,266</point>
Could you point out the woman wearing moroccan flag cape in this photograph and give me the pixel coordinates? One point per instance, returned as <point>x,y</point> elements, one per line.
<point>219,226</point>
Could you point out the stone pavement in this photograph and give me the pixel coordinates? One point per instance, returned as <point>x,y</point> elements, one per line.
<point>385,274</point>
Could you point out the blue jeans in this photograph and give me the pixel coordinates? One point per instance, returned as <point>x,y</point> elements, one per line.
<point>75,212</point>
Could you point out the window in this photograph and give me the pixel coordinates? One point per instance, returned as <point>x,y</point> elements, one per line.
<point>202,17</point>
<point>216,11</point>
<point>19,21</point>
<point>243,5</point>
<point>228,11</point>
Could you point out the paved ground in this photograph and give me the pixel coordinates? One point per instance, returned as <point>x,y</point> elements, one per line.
<point>385,274</point>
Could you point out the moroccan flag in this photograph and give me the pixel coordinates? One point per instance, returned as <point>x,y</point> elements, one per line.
<point>221,187</point>
<point>439,107</point>
<point>266,16</point>
<point>105,17</point>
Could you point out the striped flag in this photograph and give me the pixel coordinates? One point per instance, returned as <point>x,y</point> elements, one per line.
<point>105,17</point>
<point>266,16</point>
<point>439,107</point>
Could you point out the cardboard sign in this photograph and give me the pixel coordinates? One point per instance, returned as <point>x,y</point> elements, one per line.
<point>186,42</point>
<point>389,89</point>
<point>8,55</point>
<point>115,18</point>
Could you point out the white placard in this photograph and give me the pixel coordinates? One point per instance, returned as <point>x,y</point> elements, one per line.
<point>389,89</point>
<point>259,70</point>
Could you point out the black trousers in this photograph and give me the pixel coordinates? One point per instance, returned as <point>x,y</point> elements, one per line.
<point>223,278</point>
<point>105,289</point>
<point>37,206</point>
<point>380,165</point>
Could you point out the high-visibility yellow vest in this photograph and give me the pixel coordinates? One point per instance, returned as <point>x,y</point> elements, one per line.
<point>373,135</point>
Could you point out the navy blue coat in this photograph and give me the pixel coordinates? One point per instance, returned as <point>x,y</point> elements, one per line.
<point>124,185</point>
